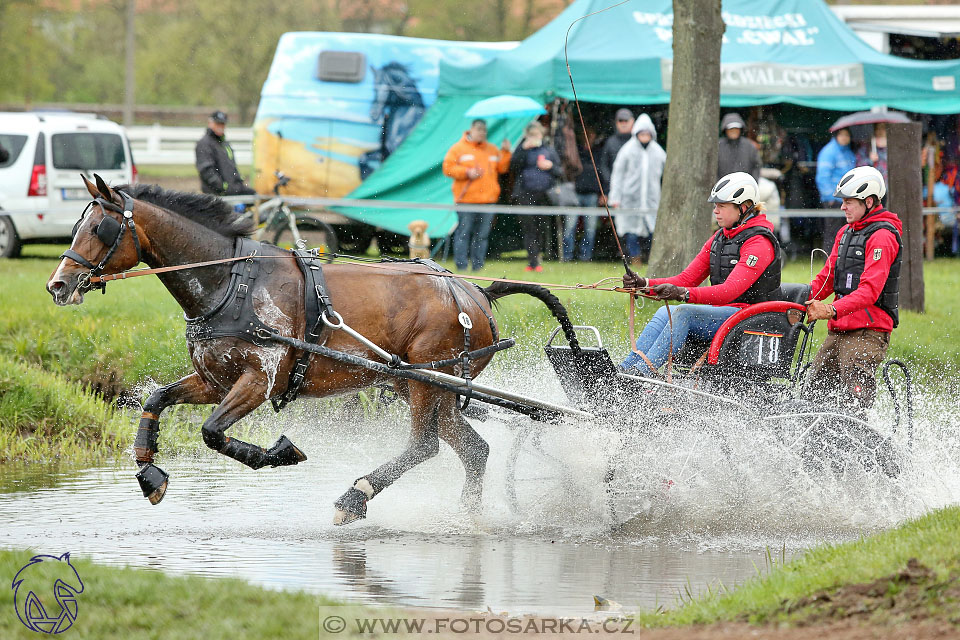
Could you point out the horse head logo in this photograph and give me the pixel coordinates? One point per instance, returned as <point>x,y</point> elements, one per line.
<point>42,581</point>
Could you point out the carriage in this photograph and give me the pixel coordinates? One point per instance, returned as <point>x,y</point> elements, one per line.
<point>266,324</point>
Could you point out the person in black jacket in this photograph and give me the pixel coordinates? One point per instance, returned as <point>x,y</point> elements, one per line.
<point>535,167</point>
<point>215,161</point>
<point>611,146</point>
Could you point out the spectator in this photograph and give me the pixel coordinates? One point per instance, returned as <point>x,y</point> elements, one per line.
<point>635,184</point>
<point>624,124</point>
<point>834,160</point>
<point>736,152</point>
<point>215,161</point>
<point>474,165</point>
<point>535,167</point>
<point>588,193</point>
<point>874,153</point>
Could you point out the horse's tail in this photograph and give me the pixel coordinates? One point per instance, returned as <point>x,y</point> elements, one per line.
<point>502,289</point>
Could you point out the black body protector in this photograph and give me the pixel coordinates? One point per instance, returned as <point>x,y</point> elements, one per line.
<point>851,259</point>
<point>725,254</point>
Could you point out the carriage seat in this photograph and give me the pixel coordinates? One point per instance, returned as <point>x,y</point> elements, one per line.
<point>795,292</point>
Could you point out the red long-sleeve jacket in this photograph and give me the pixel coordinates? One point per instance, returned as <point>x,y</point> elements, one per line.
<point>739,280</point>
<point>857,310</point>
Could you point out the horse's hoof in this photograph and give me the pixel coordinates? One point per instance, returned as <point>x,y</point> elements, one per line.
<point>341,518</point>
<point>153,482</point>
<point>284,453</point>
<point>351,506</point>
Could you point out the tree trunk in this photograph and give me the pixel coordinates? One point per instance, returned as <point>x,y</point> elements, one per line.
<point>683,219</point>
<point>906,200</point>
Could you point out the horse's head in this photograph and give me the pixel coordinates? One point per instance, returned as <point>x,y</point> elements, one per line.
<point>105,241</point>
<point>393,87</point>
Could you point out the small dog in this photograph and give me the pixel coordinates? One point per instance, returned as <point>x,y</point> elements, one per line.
<point>419,240</point>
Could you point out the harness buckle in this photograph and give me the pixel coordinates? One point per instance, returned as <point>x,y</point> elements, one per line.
<point>263,334</point>
<point>242,289</point>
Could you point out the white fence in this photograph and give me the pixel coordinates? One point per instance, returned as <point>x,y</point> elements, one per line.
<point>175,145</point>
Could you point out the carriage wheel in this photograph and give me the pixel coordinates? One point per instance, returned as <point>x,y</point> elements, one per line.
<point>829,442</point>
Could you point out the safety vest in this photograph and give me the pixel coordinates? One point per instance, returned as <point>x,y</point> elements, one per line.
<point>725,254</point>
<point>851,258</point>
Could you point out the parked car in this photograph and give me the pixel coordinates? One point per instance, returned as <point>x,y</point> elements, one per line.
<point>41,193</point>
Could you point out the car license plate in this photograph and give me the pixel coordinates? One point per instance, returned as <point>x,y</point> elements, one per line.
<point>74,194</point>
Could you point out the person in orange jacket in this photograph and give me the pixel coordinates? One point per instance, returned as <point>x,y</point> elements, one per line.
<point>474,165</point>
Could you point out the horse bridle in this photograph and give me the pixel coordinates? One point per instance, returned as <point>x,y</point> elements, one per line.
<point>110,232</point>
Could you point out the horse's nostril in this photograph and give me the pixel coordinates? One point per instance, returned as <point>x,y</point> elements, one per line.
<point>57,285</point>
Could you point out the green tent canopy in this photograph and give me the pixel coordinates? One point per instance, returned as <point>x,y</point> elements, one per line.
<point>794,51</point>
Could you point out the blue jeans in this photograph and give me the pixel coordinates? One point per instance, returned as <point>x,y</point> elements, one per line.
<point>697,320</point>
<point>470,238</point>
<point>589,229</point>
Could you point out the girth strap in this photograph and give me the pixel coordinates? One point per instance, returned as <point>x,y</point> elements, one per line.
<point>316,304</point>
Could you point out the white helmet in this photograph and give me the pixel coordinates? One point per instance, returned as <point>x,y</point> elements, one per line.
<point>860,183</point>
<point>736,188</point>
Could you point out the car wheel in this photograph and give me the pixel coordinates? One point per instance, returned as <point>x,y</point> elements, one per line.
<point>9,241</point>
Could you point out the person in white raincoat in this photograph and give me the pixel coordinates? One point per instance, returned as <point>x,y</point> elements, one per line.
<point>635,184</point>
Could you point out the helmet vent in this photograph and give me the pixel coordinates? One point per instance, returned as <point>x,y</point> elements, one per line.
<point>721,185</point>
<point>736,194</point>
<point>845,180</point>
<point>862,187</point>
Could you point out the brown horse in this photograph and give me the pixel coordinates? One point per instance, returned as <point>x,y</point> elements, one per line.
<point>400,308</point>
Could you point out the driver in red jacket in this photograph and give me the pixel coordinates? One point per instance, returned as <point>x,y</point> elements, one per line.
<point>742,260</point>
<point>863,271</point>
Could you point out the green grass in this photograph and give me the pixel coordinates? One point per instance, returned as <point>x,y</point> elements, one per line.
<point>933,539</point>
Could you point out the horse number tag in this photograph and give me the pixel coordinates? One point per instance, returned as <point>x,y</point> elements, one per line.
<point>751,261</point>
<point>465,321</point>
<point>877,253</point>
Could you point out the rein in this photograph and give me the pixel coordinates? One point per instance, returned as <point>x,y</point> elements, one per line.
<point>123,275</point>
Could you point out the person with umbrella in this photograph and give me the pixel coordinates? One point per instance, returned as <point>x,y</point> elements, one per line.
<point>474,165</point>
<point>833,162</point>
<point>863,271</point>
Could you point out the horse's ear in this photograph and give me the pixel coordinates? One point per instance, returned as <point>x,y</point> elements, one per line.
<point>90,187</point>
<point>105,190</point>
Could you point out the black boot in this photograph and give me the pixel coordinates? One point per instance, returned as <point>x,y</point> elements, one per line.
<point>284,453</point>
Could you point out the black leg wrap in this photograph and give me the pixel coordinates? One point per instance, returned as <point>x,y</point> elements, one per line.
<point>249,454</point>
<point>353,502</point>
<point>145,444</point>
<point>153,482</point>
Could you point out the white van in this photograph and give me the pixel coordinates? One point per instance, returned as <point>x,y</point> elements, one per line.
<point>41,193</point>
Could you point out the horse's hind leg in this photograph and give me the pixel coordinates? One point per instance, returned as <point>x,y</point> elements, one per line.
<point>423,445</point>
<point>246,395</point>
<point>472,449</point>
<point>189,390</point>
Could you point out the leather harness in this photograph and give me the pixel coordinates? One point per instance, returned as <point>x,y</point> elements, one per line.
<point>234,315</point>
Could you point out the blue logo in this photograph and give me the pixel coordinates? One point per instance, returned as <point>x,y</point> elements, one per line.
<point>41,581</point>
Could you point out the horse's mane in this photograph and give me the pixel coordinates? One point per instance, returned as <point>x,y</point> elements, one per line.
<point>202,208</point>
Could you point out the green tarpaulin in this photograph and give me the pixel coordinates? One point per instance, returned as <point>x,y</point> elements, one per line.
<point>793,51</point>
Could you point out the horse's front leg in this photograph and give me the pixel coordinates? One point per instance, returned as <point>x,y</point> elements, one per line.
<point>246,395</point>
<point>188,390</point>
